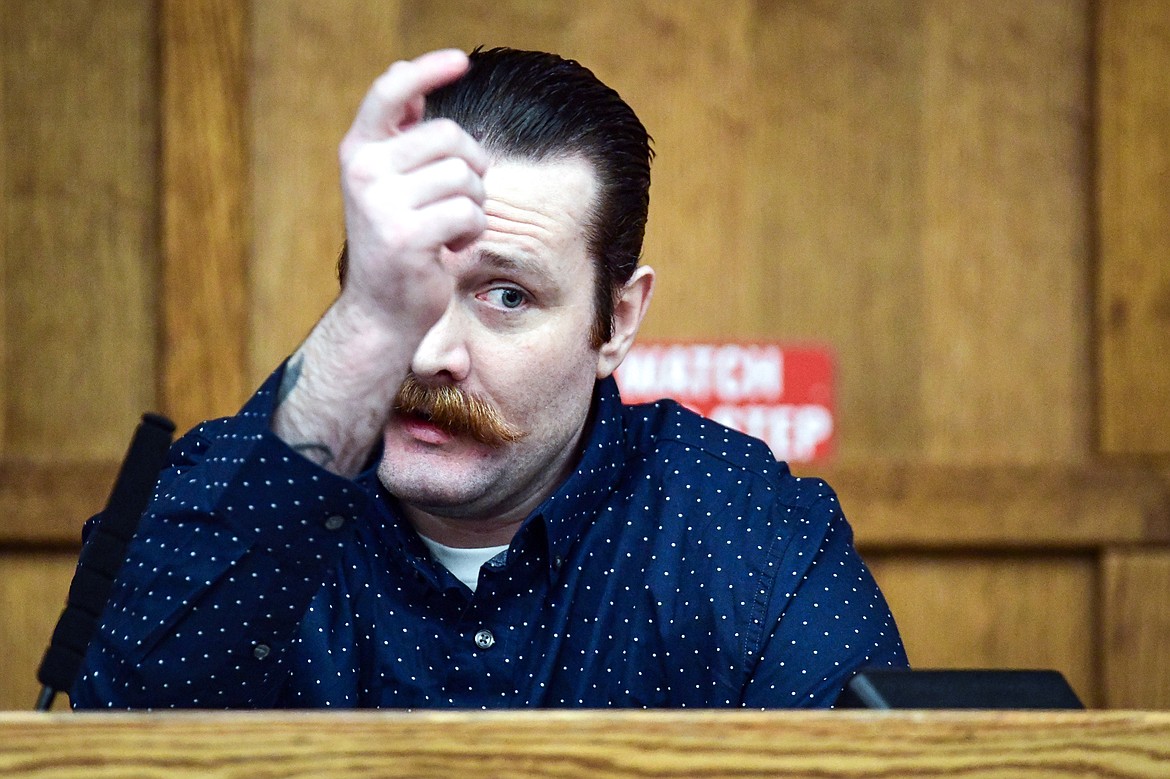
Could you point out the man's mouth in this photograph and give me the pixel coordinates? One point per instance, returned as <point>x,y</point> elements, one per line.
<point>422,428</point>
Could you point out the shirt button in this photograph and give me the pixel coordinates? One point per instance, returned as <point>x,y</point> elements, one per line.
<point>260,651</point>
<point>334,522</point>
<point>484,639</point>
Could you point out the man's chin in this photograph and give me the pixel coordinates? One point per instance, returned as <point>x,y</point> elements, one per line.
<point>438,497</point>
<point>424,473</point>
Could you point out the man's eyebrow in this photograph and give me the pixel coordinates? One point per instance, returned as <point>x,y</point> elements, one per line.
<point>517,264</point>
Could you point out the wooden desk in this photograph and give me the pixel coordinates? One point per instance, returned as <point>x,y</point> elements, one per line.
<point>593,744</point>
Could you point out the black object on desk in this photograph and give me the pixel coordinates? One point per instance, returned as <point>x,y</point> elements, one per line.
<point>889,688</point>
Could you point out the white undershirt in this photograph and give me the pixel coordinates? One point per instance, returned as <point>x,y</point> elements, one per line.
<point>464,563</point>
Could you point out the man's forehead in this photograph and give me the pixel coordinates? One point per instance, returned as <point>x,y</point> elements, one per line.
<point>567,184</point>
<point>536,210</point>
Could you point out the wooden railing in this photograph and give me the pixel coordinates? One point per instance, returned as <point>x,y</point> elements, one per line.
<point>592,744</point>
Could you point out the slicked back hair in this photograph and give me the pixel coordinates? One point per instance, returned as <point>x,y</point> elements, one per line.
<point>534,106</point>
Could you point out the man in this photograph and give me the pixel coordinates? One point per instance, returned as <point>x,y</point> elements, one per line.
<point>440,500</point>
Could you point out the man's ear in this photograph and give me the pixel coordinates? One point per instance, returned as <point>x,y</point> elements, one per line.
<point>628,311</point>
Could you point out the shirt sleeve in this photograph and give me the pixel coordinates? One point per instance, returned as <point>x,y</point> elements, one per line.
<point>827,615</point>
<point>240,534</point>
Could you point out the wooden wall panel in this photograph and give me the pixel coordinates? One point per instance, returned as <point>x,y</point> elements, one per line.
<point>312,63</point>
<point>47,504</point>
<point>205,207</point>
<point>1005,247</point>
<point>5,22</point>
<point>77,220</point>
<point>78,257</point>
<point>997,611</point>
<point>32,593</point>
<point>1136,630</point>
<point>1133,199</point>
<point>894,507</point>
<point>836,189</point>
<point>923,183</point>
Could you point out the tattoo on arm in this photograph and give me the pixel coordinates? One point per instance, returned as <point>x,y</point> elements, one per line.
<point>315,452</point>
<point>292,374</point>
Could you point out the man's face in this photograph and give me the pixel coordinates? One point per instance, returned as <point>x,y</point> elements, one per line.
<point>516,336</point>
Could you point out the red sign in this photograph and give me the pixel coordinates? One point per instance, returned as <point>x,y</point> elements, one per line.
<point>781,394</point>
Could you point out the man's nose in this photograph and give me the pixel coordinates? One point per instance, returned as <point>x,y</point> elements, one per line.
<point>443,352</point>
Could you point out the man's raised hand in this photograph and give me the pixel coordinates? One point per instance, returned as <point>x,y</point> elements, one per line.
<point>410,188</point>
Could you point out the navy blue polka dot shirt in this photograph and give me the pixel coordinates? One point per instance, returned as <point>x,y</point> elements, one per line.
<point>680,565</point>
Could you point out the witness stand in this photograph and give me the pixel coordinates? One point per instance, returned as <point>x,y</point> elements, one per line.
<point>825,744</point>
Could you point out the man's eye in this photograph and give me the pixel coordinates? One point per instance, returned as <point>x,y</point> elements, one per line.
<point>507,297</point>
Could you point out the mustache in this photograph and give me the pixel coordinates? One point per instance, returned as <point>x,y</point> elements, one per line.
<point>455,411</point>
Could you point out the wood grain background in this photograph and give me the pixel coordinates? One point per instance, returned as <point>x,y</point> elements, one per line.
<point>968,202</point>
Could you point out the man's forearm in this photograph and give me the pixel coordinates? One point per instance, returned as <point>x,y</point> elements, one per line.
<point>338,389</point>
